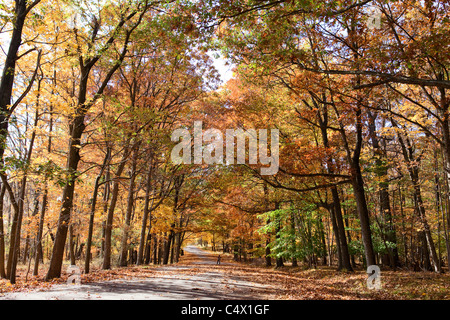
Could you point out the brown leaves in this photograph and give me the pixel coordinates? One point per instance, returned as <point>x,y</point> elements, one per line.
<point>286,283</point>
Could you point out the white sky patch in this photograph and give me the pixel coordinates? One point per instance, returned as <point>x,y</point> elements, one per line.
<point>220,63</point>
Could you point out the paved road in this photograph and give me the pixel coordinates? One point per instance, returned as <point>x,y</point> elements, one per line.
<point>204,258</point>
<point>174,282</point>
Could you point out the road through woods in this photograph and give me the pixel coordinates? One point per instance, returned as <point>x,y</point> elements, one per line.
<point>198,278</point>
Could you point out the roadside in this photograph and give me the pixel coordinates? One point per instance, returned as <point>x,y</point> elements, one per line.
<point>186,280</point>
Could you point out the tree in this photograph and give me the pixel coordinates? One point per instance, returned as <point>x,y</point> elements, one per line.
<point>77,125</point>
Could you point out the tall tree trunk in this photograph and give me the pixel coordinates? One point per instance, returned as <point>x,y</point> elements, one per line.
<point>357,182</point>
<point>363,213</point>
<point>87,260</point>
<point>426,229</point>
<point>76,130</point>
<point>345,255</point>
<point>15,245</point>
<point>443,109</point>
<point>91,226</point>
<point>112,207</point>
<point>106,193</point>
<point>413,170</point>
<point>143,242</point>
<point>2,235</point>
<point>130,204</point>
<point>323,243</point>
<point>445,210</point>
<point>381,171</point>
<point>336,212</point>
<point>148,247</point>
<point>279,260</point>
<point>337,235</point>
<point>39,254</point>
<point>71,245</point>
<point>268,258</point>
<point>7,80</point>
<point>9,67</point>
<point>167,243</point>
<point>293,242</point>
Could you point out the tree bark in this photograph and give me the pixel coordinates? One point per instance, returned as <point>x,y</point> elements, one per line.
<point>92,213</point>
<point>381,171</point>
<point>279,260</point>
<point>15,245</point>
<point>76,127</point>
<point>143,242</point>
<point>2,235</point>
<point>336,212</point>
<point>112,206</point>
<point>413,170</point>
<point>39,254</point>
<point>130,203</point>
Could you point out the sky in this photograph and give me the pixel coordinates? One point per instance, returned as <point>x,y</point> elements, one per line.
<point>225,71</point>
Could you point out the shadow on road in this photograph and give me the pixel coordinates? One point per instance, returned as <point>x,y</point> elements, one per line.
<point>192,280</point>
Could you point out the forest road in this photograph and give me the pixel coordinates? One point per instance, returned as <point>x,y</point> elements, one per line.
<point>201,279</point>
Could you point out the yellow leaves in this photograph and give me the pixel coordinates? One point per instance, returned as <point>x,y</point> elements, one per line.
<point>163,218</point>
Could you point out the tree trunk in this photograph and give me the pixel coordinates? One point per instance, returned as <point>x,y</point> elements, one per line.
<point>167,245</point>
<point>112,206</point>
<point>92,213</point>
<point>56,260</point>
<point>76,128</point>
<point>413,170</point>
<point>342,243</point>
<point>130,204</point>
<point>2,235</point>
<point>91,226</point>
<point>279,260</point>
<point>106,193</point>
<point>148,247</point>
<point>8,75</point>
<point>363,213</point>
<point>336,212</point>
<point>143,242</point>
<point>268,258</point>
<point>381,171</point>
<point>6,87</point>
<point>71,245</point>
<point>426,229</point>
<point>443,110</point>
<point>15,245</point>
<point>39,254</point>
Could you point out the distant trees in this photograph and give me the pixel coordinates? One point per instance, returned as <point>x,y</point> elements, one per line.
<point>347,86</point>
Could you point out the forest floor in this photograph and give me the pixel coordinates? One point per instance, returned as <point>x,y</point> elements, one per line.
<point>197,276</point>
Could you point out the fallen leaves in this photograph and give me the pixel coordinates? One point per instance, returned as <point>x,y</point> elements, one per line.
<point>256,282</point>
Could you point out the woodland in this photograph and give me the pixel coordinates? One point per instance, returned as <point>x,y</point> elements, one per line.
<point>90,92</point>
